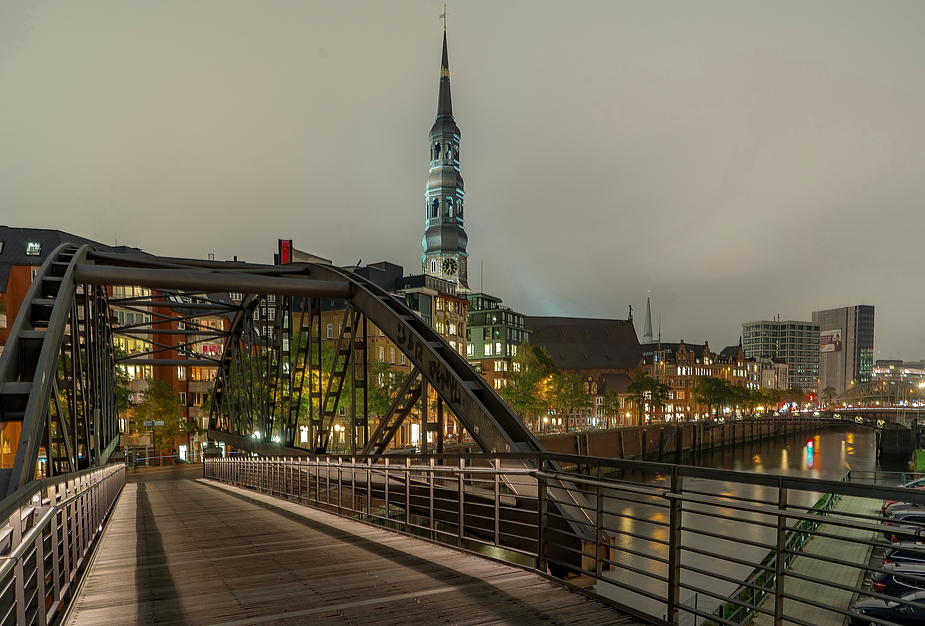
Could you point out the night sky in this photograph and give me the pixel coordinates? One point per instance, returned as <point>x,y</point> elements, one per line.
<point>734,160</point>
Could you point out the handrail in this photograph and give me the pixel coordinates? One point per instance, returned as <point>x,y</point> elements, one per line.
<point>640,549</point>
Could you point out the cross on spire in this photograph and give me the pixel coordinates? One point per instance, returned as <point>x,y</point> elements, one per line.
<point>443,17</point>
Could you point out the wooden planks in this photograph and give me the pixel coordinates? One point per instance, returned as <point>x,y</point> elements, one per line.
<point>193,552</point>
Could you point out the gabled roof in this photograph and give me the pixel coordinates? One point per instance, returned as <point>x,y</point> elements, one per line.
<point>582,343</point>
<point>17,243</point>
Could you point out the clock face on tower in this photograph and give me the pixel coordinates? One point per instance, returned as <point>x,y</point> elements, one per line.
<point>449,266</point>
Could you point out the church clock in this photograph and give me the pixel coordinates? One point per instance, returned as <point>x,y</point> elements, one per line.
<point>449,266</point>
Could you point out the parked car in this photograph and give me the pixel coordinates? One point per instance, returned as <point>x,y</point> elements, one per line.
<point>889,610</point>
<point>905,552</point>
<point>918,483</point>
<point>898,579</point>
<point>904,524</point>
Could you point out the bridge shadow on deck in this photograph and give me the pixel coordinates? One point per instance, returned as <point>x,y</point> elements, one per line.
<point>192,552</point>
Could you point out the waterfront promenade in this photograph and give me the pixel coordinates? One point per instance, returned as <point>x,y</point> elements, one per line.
<point>826,548</point>
<point>189,552</point>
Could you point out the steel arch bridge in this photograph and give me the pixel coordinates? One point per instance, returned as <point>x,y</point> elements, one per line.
<point>58,390</point>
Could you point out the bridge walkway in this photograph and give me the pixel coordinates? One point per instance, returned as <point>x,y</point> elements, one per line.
<point>189,552</point>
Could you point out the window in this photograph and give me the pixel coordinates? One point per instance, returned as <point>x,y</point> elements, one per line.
<point>391,355</point>
<point>381,353</point>
<point>181,373</point>
<point>182,398</point>
<point>488,351</point>
<point>401,358</point>
<point>33,249</point>
<point>433,266</point>
<point>330,331</point>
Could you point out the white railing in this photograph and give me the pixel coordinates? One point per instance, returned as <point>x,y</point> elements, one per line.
<point>48,530</point>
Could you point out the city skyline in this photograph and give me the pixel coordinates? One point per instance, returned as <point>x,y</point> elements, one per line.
<point>734,161</point>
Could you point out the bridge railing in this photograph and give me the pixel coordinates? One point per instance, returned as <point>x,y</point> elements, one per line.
<point>672,544</point>
<point>48,530</point>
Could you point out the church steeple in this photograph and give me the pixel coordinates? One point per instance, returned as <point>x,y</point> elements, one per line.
<point>647,331</point>
<point>445,237</point>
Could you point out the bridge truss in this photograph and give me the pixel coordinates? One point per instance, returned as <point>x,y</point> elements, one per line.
<point>279,389</point>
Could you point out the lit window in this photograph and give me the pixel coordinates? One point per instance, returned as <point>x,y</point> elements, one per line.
<point>33,249</point>
<point>488,349</point>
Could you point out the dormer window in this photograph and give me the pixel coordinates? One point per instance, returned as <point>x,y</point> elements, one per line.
<point>33,249</point>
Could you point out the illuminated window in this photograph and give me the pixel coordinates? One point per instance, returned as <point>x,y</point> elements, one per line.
<point>33,249</point>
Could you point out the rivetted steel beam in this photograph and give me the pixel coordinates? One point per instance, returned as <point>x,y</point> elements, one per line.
<point>172,279</point>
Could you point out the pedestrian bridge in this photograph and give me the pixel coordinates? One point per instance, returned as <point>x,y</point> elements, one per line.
<point>656,543</point>
<point>404,540</point>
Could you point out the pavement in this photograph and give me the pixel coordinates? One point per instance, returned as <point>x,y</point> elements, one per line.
<point>841,549</point>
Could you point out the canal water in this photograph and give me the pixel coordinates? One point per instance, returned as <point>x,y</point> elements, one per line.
<point>828,454</point>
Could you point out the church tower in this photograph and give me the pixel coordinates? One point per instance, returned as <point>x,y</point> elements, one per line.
<point>445,237</point>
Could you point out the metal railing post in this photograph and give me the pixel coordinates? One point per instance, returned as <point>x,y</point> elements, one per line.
<point>460,501</point>
<point>674,549</point>
<point>781,564</point>
<point>541,519</point>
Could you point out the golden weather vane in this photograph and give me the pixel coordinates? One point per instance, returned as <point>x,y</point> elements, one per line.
<point>443,17</point>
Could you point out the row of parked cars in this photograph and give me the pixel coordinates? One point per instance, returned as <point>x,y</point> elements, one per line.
<point>903,565</point>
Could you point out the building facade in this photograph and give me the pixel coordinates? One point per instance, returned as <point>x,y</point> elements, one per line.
<point>494,334</point>
<point>846,346</point>
<point>795,342</point>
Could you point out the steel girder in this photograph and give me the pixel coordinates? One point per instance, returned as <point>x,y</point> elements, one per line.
<point>57,377</point>
<point>489,421</point>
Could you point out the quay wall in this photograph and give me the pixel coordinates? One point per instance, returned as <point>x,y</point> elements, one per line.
<point>672,441</point>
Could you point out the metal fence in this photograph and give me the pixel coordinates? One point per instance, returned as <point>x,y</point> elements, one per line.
<point>671,544</point>
<point>48,529</point>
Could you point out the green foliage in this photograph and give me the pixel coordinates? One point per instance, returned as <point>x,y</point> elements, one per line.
<point>610,403</point>
<point>159,402</point>
<point>384,383</point>
<point>526,389</point>
<point>645,389</point>
<point>712,392</point>
<point>565,394</point>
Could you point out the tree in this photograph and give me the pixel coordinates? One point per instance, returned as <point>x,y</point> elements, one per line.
<point>565,394</point>
<point>385,381</point>
<point>610,405</point>
<point>645,389</point>
<point>159,403</point>
<point>524,391</point>
<point>827,394</point>
<point>712,392</point>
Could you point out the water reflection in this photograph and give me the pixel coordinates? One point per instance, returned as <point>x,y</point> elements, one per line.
<point>640,522</point>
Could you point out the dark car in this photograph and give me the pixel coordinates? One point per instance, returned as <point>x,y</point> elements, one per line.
<point>905,524</point>
<point>905,552</point>
<point>898,579</point>
<point>890,610</point>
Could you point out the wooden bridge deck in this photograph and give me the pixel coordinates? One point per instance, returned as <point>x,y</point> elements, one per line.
<point>191,552</point>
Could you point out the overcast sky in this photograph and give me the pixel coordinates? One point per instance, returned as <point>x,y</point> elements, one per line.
<point>736,160</point>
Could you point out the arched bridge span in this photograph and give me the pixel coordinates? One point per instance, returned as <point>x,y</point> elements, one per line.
<point>276,382</point>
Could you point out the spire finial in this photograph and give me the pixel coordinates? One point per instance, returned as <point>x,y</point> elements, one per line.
<point>443,17</point>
